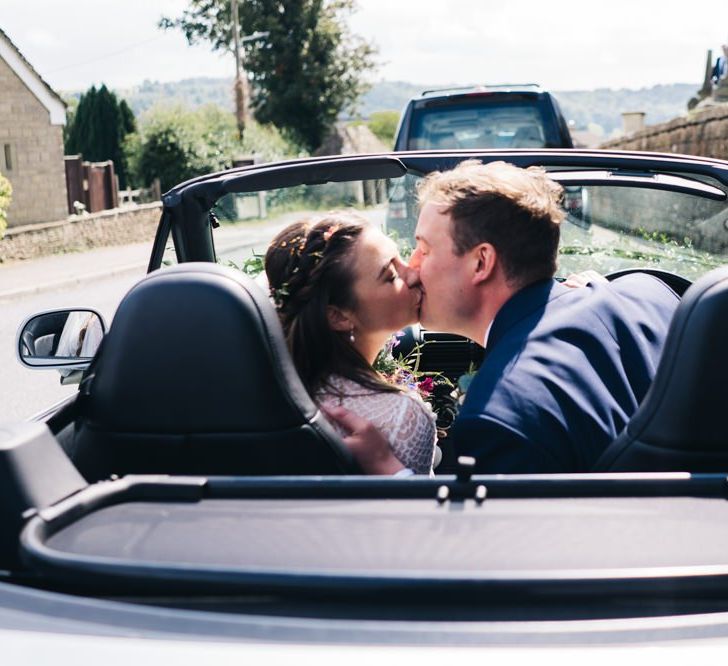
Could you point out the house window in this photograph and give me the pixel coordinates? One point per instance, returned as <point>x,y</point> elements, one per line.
<point>8,154</point>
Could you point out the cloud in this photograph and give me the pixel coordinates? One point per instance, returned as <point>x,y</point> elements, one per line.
<point>43,39</point>
<point>562,44</point>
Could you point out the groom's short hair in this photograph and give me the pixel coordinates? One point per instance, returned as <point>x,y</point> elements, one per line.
<point>518,211</point>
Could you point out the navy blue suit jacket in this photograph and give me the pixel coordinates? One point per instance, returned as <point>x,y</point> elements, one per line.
<point>563,372</point>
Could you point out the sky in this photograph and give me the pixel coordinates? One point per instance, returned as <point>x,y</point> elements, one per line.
<point>560,44</point>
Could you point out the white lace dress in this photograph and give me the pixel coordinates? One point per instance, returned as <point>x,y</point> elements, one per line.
<point>403,417</point>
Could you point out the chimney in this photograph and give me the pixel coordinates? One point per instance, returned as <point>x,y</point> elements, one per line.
<point>633,121</point>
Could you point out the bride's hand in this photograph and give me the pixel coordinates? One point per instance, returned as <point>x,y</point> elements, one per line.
<point>369,447</point>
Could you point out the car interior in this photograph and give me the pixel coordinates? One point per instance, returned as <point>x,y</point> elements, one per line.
<point>121,426</point>
<point>124,427</point>
<point>679,424</point>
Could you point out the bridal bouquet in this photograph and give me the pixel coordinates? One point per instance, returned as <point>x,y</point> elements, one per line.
<point>433,387</point>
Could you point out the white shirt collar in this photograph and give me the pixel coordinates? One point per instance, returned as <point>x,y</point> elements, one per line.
<point>487,334</point>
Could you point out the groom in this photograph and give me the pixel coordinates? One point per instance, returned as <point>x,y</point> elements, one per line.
<point>564,368</point>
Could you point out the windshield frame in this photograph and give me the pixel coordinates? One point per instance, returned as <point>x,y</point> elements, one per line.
<point>186,207</point>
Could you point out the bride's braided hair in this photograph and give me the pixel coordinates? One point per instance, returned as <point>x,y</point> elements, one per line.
<point>309,266</point>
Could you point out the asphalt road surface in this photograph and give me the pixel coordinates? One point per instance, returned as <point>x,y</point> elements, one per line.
<point>25,392</point>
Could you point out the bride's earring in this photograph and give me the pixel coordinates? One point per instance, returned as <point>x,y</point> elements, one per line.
<point>352,339</point>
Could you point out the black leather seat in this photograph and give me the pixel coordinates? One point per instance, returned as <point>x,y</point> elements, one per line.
<point>194,378</point>
<point>681,424</point>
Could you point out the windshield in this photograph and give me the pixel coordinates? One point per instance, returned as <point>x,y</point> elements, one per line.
<point>606,229</point>
<point>610,228</point>
<point>483,122</point>
<point>272,210</point>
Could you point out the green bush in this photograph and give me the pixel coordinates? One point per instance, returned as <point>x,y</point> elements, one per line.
<point>268,144</point>
<point>175,143</point>
<point>384,124</point>
<point>6,191</point>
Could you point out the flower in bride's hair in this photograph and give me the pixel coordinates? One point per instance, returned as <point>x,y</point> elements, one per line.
<point>331,231</point>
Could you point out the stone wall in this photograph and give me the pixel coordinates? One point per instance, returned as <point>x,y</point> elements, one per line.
<point>35,148</point>
<point>119,226</point>
<point>351,140</point>
<point>702,132</point>
<point>700,222</point>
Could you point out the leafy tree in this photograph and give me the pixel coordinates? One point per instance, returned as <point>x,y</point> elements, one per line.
<point>175,144</point>
<point>267,143</point>
<point>6,191</point>
<point>384,124</point>
<point>98,127</point>
<point>308,69</point>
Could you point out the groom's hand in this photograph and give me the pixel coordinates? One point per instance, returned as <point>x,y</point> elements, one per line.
<point>583,279</point>
<point>369,447</point>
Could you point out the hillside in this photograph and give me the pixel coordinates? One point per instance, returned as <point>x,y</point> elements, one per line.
<point>602,106</point>
<point>190,92</point>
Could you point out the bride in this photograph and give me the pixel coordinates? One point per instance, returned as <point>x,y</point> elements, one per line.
<point>340,288</point>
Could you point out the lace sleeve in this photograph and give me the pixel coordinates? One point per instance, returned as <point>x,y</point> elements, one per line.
<point>406,421</point>
<point>414,435</point>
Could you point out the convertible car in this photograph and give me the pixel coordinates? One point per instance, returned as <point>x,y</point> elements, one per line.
<point>191,490</point>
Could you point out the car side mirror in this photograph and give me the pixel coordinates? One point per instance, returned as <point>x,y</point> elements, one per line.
<point>64,340</point>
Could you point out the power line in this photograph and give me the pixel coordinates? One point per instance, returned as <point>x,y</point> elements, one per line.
<point>105,56</point>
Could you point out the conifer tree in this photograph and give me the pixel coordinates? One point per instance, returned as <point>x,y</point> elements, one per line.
<point>98,128</point>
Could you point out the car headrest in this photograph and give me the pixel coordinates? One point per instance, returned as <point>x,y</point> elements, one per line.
<point>197,346</point>
<point>680,426</point>
<point>527,137</point>
<point>196,354</point>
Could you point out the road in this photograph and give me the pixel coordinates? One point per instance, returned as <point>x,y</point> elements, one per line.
<point>24,392</point>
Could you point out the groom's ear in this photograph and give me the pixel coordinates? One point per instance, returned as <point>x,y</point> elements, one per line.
<point>485,258</point>
<point>338,319</point>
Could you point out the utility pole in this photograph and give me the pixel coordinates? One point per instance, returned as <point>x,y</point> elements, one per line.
<point>242,96</point>
<point>241,110</point>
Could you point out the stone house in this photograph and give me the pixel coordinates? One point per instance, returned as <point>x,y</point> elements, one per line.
<point>32,116</point>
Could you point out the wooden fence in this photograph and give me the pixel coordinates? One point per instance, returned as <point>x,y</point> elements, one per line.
<point>91,186</point>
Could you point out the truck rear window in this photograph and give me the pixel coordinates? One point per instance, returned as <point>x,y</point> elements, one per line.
<point>481,123</point>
